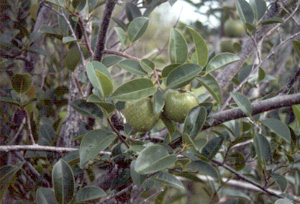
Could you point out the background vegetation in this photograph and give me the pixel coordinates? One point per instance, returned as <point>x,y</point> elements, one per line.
<point>69,67</point>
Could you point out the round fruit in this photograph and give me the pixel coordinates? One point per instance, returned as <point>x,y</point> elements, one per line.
<point>227,45</point>
<point>178,104</point>
<point>233,28</point>
<point>139,114</point>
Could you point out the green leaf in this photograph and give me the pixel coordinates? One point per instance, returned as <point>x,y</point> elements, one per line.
<point>296,110</point>
<point>133,67</point>
<point>272,21</point>
<point>49,30</point>
<point>194,121</point>
<point>7,174</point>
<point>63,182</point>
<point>204,167</point>
<point>120,23</point>
<point>137,178</point>
<point>262,148</point>
<point>109,107</point>
<point>37,50</point>
<point>9,100</point>
<point>259,7</point>
<point>45,195</point>
<point>159,101</point>
<point>106,84</point>
<point>261,74</point>
<point>121,35</point>
<point>297,183</point>
<point>236,194</point>
<point>168,179</point>
<point>132,11</point>
<point>152,159</point>
<point>278,127</point>
<point>237,160</point>
<point>89,193</point>
<point>245,11</point>
<point>61,3</point>
<point>212,147</point>
<point>69,39</point>
<point>212,86</point>
<point>297,46</point>
<point>178,49</point>
<point>21,83</point>
<point>187,140</point>
<point>111,60</point>
<point>99,78</point>
<point>182,75</point>
<point>134,90</point>
<point>243,103</point>
<point>2,61</point>
<point>201,49</point>
<point>85,108</point>
<point>280,181</point>
<point>283,201</point>
<point>94,142</point>
<point>73,57</point>
<point>220,61</point>
<point>167,69</point>
<point>169,124</point>
<point>137,28</point>
<point>79,4</point>
<point>147,65</point>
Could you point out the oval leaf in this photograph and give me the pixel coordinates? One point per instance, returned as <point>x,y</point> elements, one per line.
<point>121,35</point>
<point>178,49</point>
<point>168,179</point>
<point>204,167</point>
<point>245,11</point>
<point>159,101</point>
<point>212,86</point>
<point>21,82</point>
<point>137,28</point>
<point>279,128</point>
<point>63,182</point>
<point>283,201</point>
<point>243,103</point>
<point>152,159</point>
<point>280,181</point>
<point>262,148</point>
<point>221,60</point>
<point>111,60</point>
<point>134,90</point>
<point>201,50</point>
<point>297,46</point>
<point>132,66</point>
<point>147,65</point>
<point>212,147</point>
<point>45,196</point>
<point>167,69</point>
<point>182,75</point>
<point>94,142</point>
<point>89,193</point>
<point>194,121</point>
<point>259,7</point>
<point>106,84</point>
<point>109,107</point>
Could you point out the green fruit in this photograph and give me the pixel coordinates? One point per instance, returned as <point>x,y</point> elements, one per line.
<point>139,114</point>
<point>227,46</point>
<point>178,104</point>
<point>233,28</point>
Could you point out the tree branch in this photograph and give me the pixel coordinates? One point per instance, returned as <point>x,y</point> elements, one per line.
<point>257,107</point>
<point>102,32</point>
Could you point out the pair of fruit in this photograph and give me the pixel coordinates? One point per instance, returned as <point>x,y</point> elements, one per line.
<point>140,116</point>
<point>232,28</point>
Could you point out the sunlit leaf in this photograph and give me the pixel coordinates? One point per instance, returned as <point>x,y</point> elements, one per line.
<point>182,75</point>
<point>272,21</point>
<point>121,35</point>
<point>178,50</point>
<point>296,110</point>
<point>220,61</point>
<point>111,60</point>
<point>243,102</point>
<point>94,142</point>
<point>201,49</point>
<point>147,65</point>
<point>45,196</point>
<point>134,90</point>
<point>137,28</point>
<point>212,86</point>
<point>278,127</point>
<point>152,159</point>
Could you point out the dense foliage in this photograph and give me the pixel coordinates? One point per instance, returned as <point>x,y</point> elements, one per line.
<point>211,112</point>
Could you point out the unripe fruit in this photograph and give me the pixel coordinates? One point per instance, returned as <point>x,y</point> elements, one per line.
<point>139,114</point>
<point>233,28</point>
<point>178,104</point>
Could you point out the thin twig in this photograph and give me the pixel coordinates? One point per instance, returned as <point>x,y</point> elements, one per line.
<point>29,126</point>
<point>116,194</point>
<point>112,52</point>
<point>85,36</point>
<point>273,51</point>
